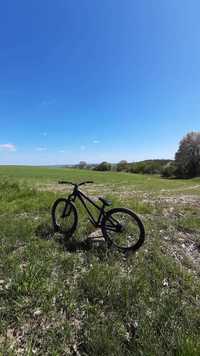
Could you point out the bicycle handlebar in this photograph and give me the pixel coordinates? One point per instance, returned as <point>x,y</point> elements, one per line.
<point>87,182</point>
<point>64,182</point>
<point>74,184</point>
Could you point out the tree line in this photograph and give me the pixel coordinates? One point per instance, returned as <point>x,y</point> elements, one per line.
<point>185,165</point>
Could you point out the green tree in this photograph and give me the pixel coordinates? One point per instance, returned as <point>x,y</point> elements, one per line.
<point>169,170</point>
<point>82,164</point>
<point>103,166</point>
<point>187,158</point>
<point>122,166</point>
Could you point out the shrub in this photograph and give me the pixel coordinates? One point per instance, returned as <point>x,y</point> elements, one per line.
<point>122,166</point>
<point>103,166</point>
<point>169,170</point>
<point>187,158</point>
<point>153,166</point>
<point>82,165</point>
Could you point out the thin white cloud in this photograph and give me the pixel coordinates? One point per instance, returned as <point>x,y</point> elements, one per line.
<point>9,147</point>
<point>82,148</point>
<point>48,101</point>
<point>40,149</point>
<point>43,134</point>
<point>96,141</point>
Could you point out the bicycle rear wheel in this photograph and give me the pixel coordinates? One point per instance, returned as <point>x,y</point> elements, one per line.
<point>122,228</point>
<point>64,217</point>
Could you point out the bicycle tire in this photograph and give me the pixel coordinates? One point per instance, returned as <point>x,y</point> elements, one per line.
<point>68,206</point>
<point>113,241</point>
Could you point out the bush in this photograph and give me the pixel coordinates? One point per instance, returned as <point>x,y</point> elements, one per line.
<point>137,167</point>
<point>82,165</point>
<point>103,166</point>
<point>169,170</point>
<point>187,158</point>
<point>122,166</point>
<point>149,166</point>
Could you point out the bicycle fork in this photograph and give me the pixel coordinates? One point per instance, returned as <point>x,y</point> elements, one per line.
<point>65,213</point>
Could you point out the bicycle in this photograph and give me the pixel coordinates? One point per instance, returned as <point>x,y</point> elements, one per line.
<point>120,227</point>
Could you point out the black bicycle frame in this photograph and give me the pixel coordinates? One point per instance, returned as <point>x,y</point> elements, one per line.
<point>82,197</point>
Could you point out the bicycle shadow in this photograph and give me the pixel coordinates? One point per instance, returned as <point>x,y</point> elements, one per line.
<point>90,243</point>
<point>46,232</point>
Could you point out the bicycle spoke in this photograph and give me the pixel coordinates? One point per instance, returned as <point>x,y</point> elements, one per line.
<point>64,216</point>
<point>110,228</point>
<point>122,228</point>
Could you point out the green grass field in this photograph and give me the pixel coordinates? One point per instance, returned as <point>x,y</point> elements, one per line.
<point>96,301</point>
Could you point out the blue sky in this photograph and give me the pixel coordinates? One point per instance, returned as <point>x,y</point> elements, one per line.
<point>97,80</point>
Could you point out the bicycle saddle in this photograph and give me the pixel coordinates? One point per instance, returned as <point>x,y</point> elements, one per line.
<point>105,202</point>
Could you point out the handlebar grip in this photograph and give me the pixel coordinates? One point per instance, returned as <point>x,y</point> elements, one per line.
<point>64,182</point>
<point>83,183</point>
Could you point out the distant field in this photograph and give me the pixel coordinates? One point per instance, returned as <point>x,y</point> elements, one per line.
<point>52,175</point>
<point>96,302</point>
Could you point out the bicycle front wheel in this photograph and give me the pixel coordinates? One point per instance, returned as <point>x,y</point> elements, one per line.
<point>64,217</point>
<point>122,228</point>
